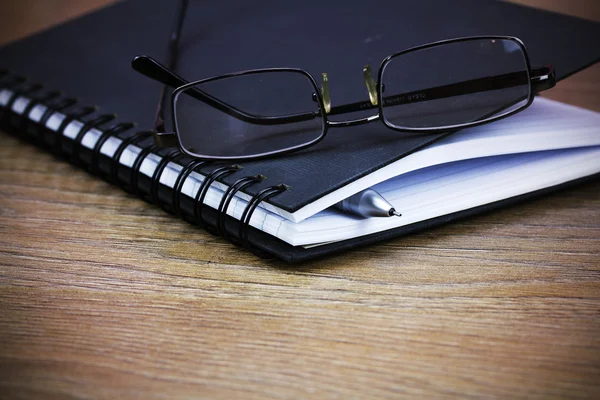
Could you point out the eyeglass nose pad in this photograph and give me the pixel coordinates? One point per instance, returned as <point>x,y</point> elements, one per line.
<point>371,85</point>
<point>325,93</point>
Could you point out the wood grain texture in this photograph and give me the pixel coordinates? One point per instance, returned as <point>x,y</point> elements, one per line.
<point>105,296</point>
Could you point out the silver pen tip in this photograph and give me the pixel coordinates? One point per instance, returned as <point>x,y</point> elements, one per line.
<point>395,213</point>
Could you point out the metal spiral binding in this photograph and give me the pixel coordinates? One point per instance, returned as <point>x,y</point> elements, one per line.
<point>114,166</point>
<point>9,83</point>
<point>261,196</point>
<point>110,132</point>
<point>16,94</point>
<point>34,102</point>
<point>155,183</point>
<point>95,123</point>
<point>201,194</point>
<point>135,168</point>
<point>238,185</point>
<point>180,181</point>
<point>15,119</point>
<point>8,107</point>
<point>12,80</point>
<point>70,117</point>
<point>54,103</point>
<point>62,105</point>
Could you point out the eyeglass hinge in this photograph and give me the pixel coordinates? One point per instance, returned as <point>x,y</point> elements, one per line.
<point>165,139</point>
<point>543,78</point>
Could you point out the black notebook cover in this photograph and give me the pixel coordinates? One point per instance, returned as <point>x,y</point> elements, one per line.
<point>90,58</point>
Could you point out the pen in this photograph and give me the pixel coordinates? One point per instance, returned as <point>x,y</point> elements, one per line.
<point>368,203</point>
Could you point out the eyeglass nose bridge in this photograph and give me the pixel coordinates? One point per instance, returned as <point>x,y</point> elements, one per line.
<point>370,83</point>
<point>326,98</point>
<point>325,94</point>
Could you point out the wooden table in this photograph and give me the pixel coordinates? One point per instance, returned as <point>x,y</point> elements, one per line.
<point>104,296</point>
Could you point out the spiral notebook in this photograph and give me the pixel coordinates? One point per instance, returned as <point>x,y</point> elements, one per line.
<point>89,58</point>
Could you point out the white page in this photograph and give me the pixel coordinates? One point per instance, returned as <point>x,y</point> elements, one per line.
<point>448,188</point>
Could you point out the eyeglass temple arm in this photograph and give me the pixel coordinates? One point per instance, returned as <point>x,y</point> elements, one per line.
<point>152,69</point>
<point>542,78</point>
<point>172,50</point>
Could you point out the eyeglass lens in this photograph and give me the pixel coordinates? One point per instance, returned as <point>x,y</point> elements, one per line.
<point>248,115</point>
<point>455,83</point>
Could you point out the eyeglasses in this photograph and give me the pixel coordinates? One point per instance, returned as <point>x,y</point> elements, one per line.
<point>438,87</point>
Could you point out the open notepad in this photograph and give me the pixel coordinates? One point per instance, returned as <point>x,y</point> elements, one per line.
<point>546,145</point>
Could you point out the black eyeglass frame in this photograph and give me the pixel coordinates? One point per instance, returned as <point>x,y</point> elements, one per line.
<point>494,117</point>
<point>539,79</point>
<point>319,100</point>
